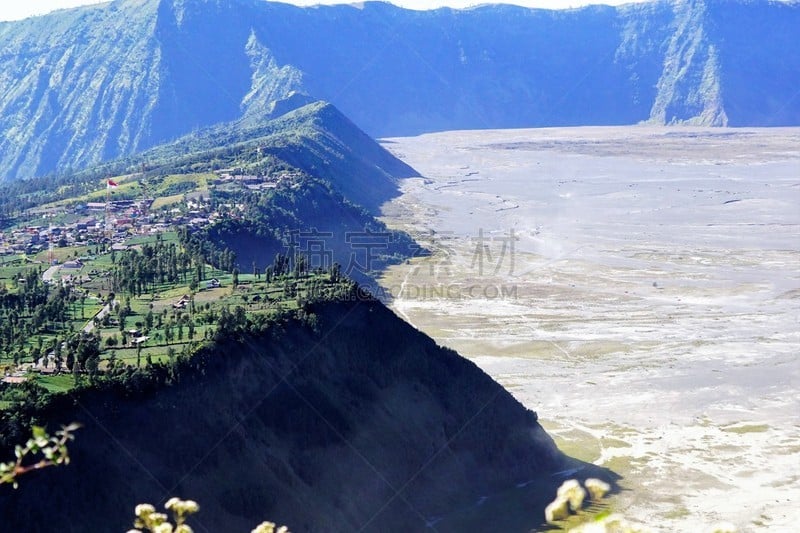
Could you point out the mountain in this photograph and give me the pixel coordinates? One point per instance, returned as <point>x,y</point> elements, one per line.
<point>347,420</point>
<point>71,95</point>
<point>314,137</point>
<point>308,182</point>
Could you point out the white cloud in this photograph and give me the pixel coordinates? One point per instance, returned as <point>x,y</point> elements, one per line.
<point>19,10</point>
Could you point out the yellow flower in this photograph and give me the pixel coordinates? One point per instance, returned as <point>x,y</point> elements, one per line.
<point>558,509</point>
<point>572,491</point>
<point>190,507</point>
<point>597,488</point>
<point>158,519</point>
<point>144,509</point>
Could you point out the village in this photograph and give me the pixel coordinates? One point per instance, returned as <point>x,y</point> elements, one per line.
<point>71,245</point>
<point>114,221</point>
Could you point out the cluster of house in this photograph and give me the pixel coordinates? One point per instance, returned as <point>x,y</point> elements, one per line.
<point>255,183</point>
<point>136,337</point>
<point>96,222</point>
<point>89,224</point>
<point>33,239</point>
<point>93,223</point>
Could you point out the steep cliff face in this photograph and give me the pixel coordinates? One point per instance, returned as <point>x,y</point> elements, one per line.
<point>689,89</point>
<point>77,86</point>
<point>94,83</point>
<point>363,425</point>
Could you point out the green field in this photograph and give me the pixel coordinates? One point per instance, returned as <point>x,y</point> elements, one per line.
<point>59,383</point>
<point>169,333</point>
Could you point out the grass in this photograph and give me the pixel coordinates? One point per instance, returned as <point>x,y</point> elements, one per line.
<point>166,237</point>
<point>574,442</point>
<point>199,180</point>
<point>623,464</point>
<point>90,308</point>
<point>129,187</point>
<point>11,267</point>
<point>10,259</point>
<point>59,383</point>
<point>158,354</point>
<point>66,253</point>
<point>199,183</point>
<point>164,201</point>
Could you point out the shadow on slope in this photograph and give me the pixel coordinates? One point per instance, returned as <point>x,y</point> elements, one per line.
<point>349,421</point>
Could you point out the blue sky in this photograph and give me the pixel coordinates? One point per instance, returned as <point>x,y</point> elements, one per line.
<point>14,10</point>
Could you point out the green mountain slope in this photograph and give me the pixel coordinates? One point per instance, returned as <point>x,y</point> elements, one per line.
<point>315,138</point>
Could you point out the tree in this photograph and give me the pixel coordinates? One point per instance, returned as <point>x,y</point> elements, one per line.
<point>76,372</point>
<point>92,365</point>
<point>57,350</point>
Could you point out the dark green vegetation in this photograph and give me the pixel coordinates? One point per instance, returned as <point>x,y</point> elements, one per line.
<point>314,221</point>
<point>343,419</point>
<point>70,96</point>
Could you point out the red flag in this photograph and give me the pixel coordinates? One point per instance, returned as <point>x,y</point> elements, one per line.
<point>111,184</point>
